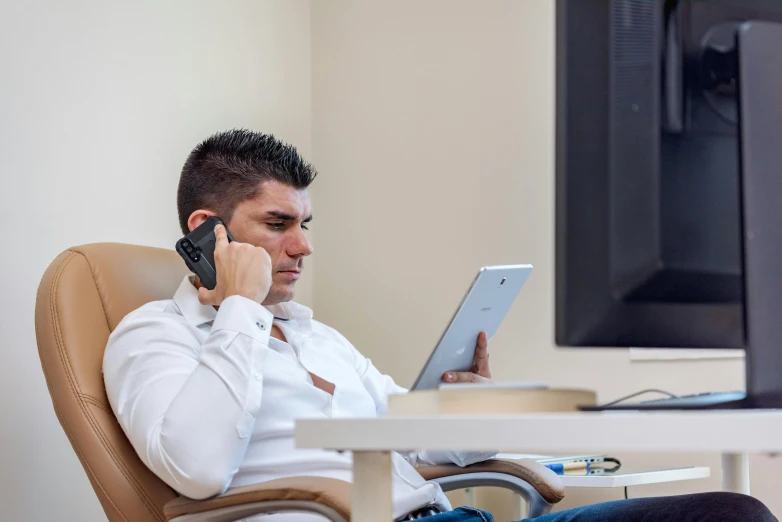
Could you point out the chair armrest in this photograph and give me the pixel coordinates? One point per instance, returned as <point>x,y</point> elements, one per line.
<point>546,482</point>
<point>330,497</point>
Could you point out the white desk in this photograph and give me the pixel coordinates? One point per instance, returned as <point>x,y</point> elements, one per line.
<point>635,477</point>
<point>731,433</point>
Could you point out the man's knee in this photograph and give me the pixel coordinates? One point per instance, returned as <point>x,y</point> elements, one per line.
<point>734,507</point>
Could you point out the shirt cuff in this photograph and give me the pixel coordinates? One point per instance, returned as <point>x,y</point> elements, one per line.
<point>242,315</point>
<point>460,458</point>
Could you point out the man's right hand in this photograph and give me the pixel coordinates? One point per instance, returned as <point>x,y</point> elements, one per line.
<point>242,269</point>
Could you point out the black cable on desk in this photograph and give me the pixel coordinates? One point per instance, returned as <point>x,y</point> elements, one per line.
<point>642,392</point>
<point>613,460</point>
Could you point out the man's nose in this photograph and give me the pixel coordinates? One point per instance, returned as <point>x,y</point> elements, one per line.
<point>301,245</point>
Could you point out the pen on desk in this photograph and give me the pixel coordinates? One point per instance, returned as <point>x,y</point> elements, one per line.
<point>568,466</point>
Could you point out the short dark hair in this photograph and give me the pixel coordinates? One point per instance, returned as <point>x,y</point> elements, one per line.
<point>228,168</point>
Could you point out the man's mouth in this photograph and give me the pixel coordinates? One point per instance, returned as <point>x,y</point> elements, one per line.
<point>293,274</point>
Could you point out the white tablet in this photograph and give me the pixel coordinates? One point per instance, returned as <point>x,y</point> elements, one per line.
<point>482,310</point>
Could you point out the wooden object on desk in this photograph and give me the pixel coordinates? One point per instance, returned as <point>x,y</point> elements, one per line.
<point>488,401</point>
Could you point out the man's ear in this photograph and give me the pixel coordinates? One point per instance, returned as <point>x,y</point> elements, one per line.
<point>198,217</point>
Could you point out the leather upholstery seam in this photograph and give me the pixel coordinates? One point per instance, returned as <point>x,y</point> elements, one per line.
<point>95,402</point>
<point>67,366</point>
<point>533,478</point>
<point>129,476</point>
<point>64,424</point>
<point>100,295</point>
<point>87,467</point>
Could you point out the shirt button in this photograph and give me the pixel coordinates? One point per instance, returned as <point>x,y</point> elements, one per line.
<point>257,376</point>
<point>261,326</point>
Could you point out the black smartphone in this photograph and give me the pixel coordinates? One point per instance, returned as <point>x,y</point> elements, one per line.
<point>198,250</point>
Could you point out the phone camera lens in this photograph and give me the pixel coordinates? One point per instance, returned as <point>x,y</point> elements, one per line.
<point>188,248</point>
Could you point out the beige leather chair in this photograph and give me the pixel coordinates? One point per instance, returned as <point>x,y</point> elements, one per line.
<point>82,297</point>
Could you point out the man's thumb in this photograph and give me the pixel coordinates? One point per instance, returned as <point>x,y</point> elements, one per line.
<point>206,296</point>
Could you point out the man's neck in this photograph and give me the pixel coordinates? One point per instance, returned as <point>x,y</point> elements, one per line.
<point>277,333</point>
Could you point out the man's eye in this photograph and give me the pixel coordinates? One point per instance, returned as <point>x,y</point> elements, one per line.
<point>305,227</point>
<point>277,226</point>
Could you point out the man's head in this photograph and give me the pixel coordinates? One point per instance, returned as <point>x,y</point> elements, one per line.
<point>258,186</point>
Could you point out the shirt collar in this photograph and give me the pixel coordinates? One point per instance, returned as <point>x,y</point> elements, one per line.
<point>292,314</point>
<point>186,298</point>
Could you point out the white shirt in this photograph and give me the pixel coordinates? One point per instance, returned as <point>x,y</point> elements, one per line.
<point>208,398</point>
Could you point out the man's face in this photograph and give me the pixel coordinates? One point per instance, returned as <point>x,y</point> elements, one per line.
<point>276,220</point>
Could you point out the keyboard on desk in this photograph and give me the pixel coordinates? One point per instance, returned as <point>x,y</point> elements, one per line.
<point>699,401</point>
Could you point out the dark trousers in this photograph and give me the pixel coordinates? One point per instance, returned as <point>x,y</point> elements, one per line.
<point>722,507</point>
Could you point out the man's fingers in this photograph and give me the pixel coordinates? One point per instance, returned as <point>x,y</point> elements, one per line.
<point>480,370</point>
<point>463,377</point>
<point>481,366</point>
<point>221,238</point>
<point>482,348</point>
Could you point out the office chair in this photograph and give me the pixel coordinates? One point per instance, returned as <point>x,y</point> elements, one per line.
<point>82,297</point>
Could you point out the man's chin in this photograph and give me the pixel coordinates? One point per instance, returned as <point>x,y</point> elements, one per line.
<point>279,294</point>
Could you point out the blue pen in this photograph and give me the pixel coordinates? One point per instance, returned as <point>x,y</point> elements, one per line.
<point>567,466</point>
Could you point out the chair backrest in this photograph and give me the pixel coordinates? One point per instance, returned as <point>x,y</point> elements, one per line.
<point>82,297</point>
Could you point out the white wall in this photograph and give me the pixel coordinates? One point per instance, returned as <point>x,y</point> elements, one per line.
<point>433,129</point>
<point>100,103</point>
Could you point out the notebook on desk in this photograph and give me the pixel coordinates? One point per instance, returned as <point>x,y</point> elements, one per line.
<point>548,459</point>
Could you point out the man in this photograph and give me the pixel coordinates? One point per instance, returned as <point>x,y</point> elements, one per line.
<point>207,385</point>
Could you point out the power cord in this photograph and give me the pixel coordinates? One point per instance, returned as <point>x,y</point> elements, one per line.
<point>613,460</point>
<point>636,394</point>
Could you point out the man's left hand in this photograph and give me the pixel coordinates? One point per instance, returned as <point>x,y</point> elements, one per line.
<point>480,369</point>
